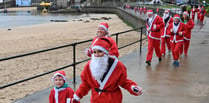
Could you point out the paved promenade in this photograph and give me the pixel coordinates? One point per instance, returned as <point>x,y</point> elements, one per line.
<point>162,82</point>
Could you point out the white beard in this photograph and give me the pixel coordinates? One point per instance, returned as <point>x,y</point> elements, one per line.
<point>98,66</point>
<point>165,16</point>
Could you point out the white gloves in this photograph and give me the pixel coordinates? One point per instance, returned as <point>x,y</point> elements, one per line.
<point>180,33</point>
<point>148,29</point>
<point>154,26</point>
<point>75,99</point>
<point>88,52</point>
<point>136,89</point>
<point>171,30</point>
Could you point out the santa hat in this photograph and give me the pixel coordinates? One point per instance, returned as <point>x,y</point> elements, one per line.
<point>149,11</point>
<point>105,26</point>
<point>166,11</point>
<point>60,73</point>
<point>176,16</point>
<point>186,12</point>
<point>102,44</point>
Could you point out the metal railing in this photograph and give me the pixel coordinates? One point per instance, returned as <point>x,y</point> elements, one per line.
<point>74,56</point>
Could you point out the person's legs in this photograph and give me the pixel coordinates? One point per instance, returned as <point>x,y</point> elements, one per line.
<point>163,46</point>
<point>168,44</point>
<point>150,51</point>
<point>186,46</point>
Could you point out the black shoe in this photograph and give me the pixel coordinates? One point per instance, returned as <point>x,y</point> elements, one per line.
<point>160,59</point>
<point>148,62</point>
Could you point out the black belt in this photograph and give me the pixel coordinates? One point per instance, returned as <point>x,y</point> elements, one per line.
<point>155,31</point>
<point>99,90</point>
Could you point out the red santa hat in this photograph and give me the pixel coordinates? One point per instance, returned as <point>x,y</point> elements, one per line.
<point>105,26</point>
<point>186,12</point>
<point>149,11</point>
<point>176,16</point>
<point>102,44</point>
<point>166,11</point>
<point>60,73</point>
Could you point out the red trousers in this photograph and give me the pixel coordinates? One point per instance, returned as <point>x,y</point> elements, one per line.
<point>193,17</point>
<point>202,18</point>
<point>153,44</point>
<point>165,41</point>
<point>185,47</point>
<point>176,48</point>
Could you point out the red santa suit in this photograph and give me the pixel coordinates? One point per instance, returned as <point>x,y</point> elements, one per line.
<point>198,13</point>
<point>165,37</point>
<point>63,94</point>
<point>145,10</point>
<point>141,10</point>
<point>177,33</point>
<point>193,11</point>
<point>105,89</point>
<point>202,13</point>
<point>154,25</point>
<point>190,25</point>
<point>113,49</point>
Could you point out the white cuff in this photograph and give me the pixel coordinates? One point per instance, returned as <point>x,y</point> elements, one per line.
<point>76,97</point>
<point>68,100</point>
<point>154,26</point>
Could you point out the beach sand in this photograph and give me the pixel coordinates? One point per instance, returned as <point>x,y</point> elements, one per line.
<point>25,39</point>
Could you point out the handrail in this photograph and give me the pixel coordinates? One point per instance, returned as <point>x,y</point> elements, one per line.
<point>74,56</point>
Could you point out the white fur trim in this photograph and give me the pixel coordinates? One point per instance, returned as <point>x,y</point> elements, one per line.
<point>76,97</point>
<point>100,48</point>
<point>176,18</point>
<point>104,27</point>
<point>68,100</point>
<point>102,84</point>
<point>56,95</point>
<point>153,37</point>
<point>186,38</point>
<point>186,13</point>
<point>60,75</point>
<point>149,13</point>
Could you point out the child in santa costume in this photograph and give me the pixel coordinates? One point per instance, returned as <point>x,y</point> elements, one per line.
<point>103,32</point>
<point>177,30</point>
<point>61,93</point>
<point>165,37</point>
<point>154,24</point>
<point>190,25</point>
<point>193,11</point>
<point>104,75</point>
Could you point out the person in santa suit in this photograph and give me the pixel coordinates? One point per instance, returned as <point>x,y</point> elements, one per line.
<point>165,37</point>
<point>154,24</point>
<point>102,31</point>
<point>145,10</point>
<point>193,11</point>
<point>177,30</point>
<point>141,10</point>
<point>104,75</point>
<point>190,25</point>
<point>202,13</point>
<point>198,14</point>
<point>61,93</point>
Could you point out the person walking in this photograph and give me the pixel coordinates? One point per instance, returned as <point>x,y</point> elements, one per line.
<point>193,12</point>
<point>61,93</point>
<point>202,13</point>
<point>103,75</point>
<point>102,31</point>
<point>177,30</point>
<point>187,37</point>
<point>154,24</point>
<point>165,37</point>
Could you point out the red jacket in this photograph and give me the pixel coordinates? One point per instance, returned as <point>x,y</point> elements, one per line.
<point>164,31</point>
<point>189,25</point>
<point>114,48</point>
<point>193,11</point>
<point>115,78</point>
<point>61,95</point>
<point>155,32</point>
<point>176,37</point>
